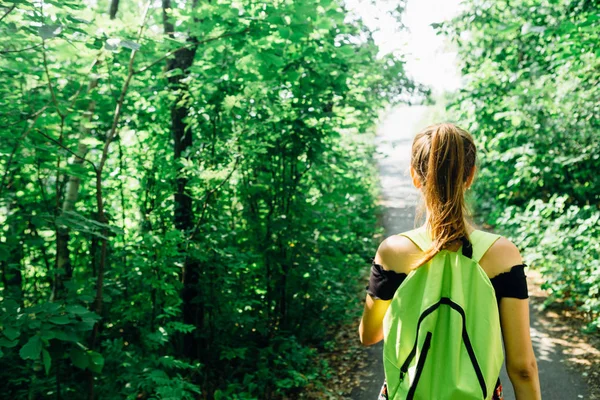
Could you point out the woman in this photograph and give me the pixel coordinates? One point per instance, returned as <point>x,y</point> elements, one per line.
<point>443,167</point>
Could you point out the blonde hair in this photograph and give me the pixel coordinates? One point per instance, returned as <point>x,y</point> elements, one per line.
<point>443,156</point>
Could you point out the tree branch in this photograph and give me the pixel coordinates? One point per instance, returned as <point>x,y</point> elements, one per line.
<point>92,84</point>
<point>101,217</point>
<point>20,50</point>
<point>169,54</point>
<point>23,136</point>
<point>188,45</point>
<point>71,152</point>
<point>119,106</point>
<point>209,193</point>
<point>8,12</point>
<point>52,94</point>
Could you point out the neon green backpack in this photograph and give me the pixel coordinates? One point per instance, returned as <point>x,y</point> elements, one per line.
<point>442,337</point>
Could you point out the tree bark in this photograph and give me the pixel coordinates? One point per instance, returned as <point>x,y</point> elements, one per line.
<point>114,8</point>
<point>193,311</point>
<point>63,268</point>
<point>11,266</point>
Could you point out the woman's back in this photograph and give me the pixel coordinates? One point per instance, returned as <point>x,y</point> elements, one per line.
<point>397,252</point>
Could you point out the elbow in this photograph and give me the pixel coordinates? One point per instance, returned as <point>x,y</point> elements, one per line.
<point>525,370</point>
<point>367,343</point>
<point>361,335</point>
<point>366,339</point>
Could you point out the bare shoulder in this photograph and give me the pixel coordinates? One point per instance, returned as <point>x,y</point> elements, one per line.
<point>501,257</point>
<point>396,252</point>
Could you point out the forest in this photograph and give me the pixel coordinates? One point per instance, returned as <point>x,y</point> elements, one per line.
<point>188,190</point>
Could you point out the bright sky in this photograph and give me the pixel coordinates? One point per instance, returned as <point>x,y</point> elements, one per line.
<point>429,59</point>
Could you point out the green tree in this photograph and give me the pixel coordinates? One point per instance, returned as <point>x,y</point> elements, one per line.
<point>531,99</point>
<point>188,193</point>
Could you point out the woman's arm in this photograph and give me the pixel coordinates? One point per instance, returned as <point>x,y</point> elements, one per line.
<point>370,329</point>
<point>390,256</point>
<point>520,359</point>
<point>514,319</point>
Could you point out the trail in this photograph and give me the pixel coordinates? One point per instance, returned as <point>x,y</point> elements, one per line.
<point>400,199</point>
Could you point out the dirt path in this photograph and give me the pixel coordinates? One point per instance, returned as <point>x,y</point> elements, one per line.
<point>399,199</point>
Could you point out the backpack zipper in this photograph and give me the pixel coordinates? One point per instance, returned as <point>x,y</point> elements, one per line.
<point>420,366</point>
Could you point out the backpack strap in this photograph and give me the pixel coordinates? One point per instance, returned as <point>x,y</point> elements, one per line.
<point>481,242</point>
<point>419,237</point>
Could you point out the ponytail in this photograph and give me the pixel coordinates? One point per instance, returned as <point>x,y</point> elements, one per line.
<point>443,156</point>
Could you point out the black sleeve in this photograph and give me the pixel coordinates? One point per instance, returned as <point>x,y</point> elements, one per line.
<point>382,283</point>
<point>512,283</point>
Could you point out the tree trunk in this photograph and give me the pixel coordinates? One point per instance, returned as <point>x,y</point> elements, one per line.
<point>11,266</point>
<point>114,8</point>
<point>193,312</point>
<point>102,217</point>
<point>183,218</point>
<point>63,270</point>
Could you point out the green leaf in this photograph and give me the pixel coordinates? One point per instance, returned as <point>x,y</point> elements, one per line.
<point>88,322</point>
<point>48,334</point>
<point>76,170</point>
<point>50,308</point>
<point>77,309</point>
<point>112,44</point>
<point>95,45</point>
<point>284,32</point>
<point>129,44</point>
<point>49,31</point>
<point>181,327</point>
<point>529,28</point>
<point>66,336</point>
<point>79,358</point>
<point>173,72</point>
<point>503,28</point>
<point>47,360</point>
<point>230,102</point>
<point>77,20</point>
<point>96,361</point>
<point>9,306</point>
<point>11,333</point>
<point>4,252</point>
<point>80,223</point>
<point>60,319</point>
<point>31,350</point>
<point>8,343</point>
<point>271,59</point>
<point>347,50</point>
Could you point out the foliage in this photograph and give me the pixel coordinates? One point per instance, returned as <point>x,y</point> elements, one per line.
<point>531,70</point>
<point>187,193</point>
